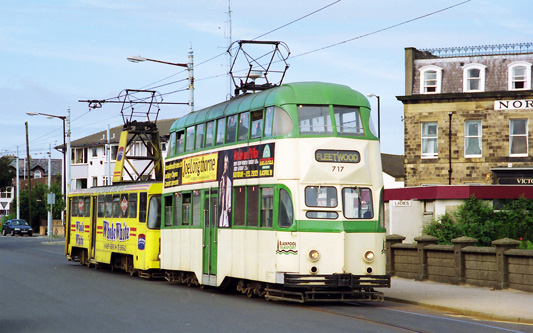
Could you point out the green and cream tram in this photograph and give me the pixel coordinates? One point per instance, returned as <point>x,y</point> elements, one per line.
<point>279,193</point>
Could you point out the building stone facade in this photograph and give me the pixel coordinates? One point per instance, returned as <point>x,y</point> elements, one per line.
<point>467,115</point>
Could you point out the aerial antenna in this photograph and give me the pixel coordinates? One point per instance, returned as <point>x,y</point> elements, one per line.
<point>260,65</point>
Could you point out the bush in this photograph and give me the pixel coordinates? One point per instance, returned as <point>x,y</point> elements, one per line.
<point>477,219</point>
<point>443,228</point>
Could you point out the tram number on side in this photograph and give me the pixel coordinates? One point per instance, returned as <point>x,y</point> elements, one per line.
<point>337,168</point>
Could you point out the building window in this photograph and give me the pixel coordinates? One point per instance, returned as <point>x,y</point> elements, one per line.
<point>94,151</point>
<point>114,152</point>
<point>518,145</point>
<point>430,79</point>
<point>519,75</point>
<point>473,138</point>
<point>95,181</point>
<point>37,174</point>
<point>6,193</point>
<point>429,139</point>
<point>474,78</point>
<point>79,155</point>
<point>81,183</point>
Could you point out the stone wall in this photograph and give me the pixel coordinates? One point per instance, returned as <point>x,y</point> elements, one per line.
<point>499,267</point>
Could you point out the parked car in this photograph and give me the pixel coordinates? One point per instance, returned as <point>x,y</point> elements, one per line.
<point>17,226</point>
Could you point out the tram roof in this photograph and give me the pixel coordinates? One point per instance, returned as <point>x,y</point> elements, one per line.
<point>290,93</point>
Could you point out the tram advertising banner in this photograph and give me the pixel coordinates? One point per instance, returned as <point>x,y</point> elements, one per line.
<point>240,163</point>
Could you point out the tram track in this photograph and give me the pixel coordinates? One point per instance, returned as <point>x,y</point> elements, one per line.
<point>367,320</point>
<point>472,323</point>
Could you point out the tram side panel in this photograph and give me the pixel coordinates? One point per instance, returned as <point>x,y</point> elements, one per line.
<point>181,250</point>
<point>246,254</point>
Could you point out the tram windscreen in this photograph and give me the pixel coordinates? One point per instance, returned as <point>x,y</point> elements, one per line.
<point>348,120</point>
<point>321,196</point>
<point>357,203</point>
<point>315,120</point>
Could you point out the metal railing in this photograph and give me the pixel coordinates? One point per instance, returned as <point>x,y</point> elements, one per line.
<point>468,51</point>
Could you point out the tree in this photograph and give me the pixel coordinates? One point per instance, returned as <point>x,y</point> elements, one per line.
<point>6,172</point>
<point>39,204</point>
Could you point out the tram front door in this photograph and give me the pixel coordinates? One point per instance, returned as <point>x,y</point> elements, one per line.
<point>209,219</point>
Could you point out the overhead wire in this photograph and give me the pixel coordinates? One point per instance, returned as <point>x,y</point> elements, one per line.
<point>153,85</point>
<point>383,29</point>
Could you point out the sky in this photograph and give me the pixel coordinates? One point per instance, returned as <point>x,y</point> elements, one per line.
<point>55,53</point>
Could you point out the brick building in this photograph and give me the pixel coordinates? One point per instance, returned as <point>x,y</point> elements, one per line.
<point>467,114</point>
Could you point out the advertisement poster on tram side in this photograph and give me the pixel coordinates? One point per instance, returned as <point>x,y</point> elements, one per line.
<point>240,163</point>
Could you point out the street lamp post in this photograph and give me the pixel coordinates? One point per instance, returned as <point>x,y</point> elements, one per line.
<point>188,65</point>
<point>66,147</point>
<point>379,114</point>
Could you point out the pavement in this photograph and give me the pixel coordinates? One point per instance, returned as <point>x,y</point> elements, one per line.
<point>505,305</point>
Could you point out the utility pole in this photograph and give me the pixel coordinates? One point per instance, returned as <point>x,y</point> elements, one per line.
<point>229,38</point>
<point>18,185</point>
<point>28,173</point>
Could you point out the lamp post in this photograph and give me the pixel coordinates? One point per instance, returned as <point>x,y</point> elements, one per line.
<point>188,65</point>
<point>66,148</point>
<point>379,114</point>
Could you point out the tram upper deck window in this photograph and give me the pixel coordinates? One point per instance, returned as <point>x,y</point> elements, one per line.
<point>189,140</point>
<point>244,125</point>
<point>180,136</point>
<point>321,196</point>
<point>209,133</point>
<point>154,212</point>
<point>269,117</point>
<point>357,203</point>
<point>231,130</point>
<point>200,128</point>
<point>348,120</point>
<point>171,145</point>
<point>314,120</point>
<point>221,126</point>
<point>257,124</point>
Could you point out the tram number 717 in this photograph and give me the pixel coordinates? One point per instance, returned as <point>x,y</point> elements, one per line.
<point>337,168</point>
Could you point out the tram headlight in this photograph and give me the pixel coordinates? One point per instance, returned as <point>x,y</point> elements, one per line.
<point>314,255</point>
<point>369,256</point>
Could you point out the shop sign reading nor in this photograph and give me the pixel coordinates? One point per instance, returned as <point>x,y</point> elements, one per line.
<point>514,104</point>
